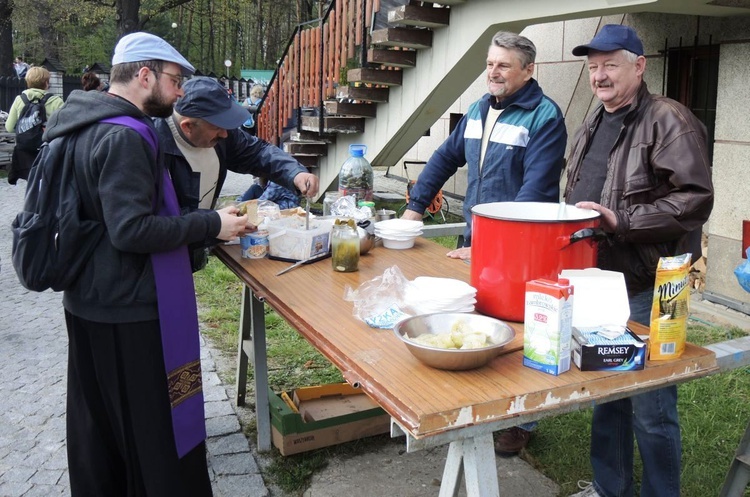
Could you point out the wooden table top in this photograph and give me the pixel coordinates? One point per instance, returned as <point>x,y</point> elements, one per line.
<point>424,400</point>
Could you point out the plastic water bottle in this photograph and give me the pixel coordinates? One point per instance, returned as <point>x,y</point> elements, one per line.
<point>356,177</point>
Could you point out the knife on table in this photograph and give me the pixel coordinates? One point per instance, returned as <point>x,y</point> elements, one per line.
<point>303,261</point>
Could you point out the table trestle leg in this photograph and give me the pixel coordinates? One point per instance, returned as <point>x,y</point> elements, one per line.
<point>473,460</point>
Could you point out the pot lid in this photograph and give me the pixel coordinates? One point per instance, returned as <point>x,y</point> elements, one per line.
<point>533,211</point>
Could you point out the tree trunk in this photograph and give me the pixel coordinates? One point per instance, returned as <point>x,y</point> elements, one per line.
<point>127,17</point>
<point>6,38</point>
<point>47,32</point>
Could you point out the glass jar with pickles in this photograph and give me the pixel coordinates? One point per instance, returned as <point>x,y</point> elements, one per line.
<point>345,246</point>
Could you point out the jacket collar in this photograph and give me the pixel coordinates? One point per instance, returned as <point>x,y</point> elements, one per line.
<point>528,97</point>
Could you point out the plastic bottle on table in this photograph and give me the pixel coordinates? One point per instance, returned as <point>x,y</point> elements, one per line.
<point>356,177</point>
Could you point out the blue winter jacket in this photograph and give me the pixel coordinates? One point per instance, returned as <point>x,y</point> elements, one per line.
<point>523,161</point>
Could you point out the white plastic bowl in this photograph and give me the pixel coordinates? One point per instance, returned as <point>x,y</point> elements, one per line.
<point>390,243</point>
<point>403,225</point>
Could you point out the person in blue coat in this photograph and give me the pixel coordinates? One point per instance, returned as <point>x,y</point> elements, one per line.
<point>512,140</point>
<point>202,140</point>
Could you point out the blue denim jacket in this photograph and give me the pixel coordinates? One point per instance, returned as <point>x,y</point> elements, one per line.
<point>523,160</point>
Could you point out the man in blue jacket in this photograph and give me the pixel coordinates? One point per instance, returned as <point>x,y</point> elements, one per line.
<point>202,141</point>
<point>513,141</point>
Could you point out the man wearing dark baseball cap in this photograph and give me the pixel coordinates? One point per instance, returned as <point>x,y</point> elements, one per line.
<point>612,37</point>
<point>135,413</point>
<point>641,161</point>
<point>202,136</point>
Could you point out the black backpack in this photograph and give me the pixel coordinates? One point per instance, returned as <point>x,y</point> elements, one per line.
<point>51,241</point>
<point>30,125</point>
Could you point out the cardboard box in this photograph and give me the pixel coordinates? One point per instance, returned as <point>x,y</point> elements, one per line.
<point>315,417</point>
<point>548,315</point>
<point>592,352</point>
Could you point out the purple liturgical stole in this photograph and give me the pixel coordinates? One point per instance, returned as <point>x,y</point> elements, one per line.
<point>178,319</point>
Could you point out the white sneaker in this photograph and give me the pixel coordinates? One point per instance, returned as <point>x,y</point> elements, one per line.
<point>587,489</point>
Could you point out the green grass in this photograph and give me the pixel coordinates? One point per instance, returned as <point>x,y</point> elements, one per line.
<point>713,411</point>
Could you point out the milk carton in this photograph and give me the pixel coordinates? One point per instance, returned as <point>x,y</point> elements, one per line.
<point>547,325</point>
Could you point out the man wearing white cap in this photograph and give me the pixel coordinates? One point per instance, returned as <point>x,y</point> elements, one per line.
<point>135,421</point>
<point>201,141</point>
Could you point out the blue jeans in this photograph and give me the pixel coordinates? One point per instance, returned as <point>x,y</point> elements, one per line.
<point>652,417</point>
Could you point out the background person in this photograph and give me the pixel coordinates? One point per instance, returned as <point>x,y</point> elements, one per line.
<point>21,67</point>
<point>201,141</point>
<point>37,81</point>
<point>251,103</point>
<point>135,420</point>
<point>90,81</point>
<point>513,143</point>
<point>263,189</point>
<point>641,161</point>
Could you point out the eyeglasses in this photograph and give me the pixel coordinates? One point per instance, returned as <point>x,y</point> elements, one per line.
<point>176,78</point>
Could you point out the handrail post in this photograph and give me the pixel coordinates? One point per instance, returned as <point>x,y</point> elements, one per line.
<point>321,106</point>
<point>363,55</point>
<point>299,82</point>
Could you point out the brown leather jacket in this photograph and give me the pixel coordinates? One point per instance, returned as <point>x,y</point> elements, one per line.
<point>658,184</point>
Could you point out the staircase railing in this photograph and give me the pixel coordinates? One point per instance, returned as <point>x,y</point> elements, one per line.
<point>314,64</point>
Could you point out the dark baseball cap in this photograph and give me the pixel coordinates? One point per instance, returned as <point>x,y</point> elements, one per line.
<point>610,38</point>
<point>207,99</point>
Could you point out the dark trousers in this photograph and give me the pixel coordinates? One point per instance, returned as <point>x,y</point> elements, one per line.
<point>119,424</point>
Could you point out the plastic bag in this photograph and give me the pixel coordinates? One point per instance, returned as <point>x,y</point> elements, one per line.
<point>346,206</point>
<point>742,272</point>
<point>379,302</point>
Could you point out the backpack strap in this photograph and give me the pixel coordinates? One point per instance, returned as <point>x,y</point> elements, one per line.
<point>43,107</point>
<point>143,129</point>
<point>25,99</point>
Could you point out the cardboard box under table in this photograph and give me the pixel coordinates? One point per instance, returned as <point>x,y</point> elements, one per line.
<point>324,415</point>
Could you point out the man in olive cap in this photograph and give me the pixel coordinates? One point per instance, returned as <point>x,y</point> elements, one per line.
<point>202,137</point>
<point>641,161</point>
<point>135,420</point>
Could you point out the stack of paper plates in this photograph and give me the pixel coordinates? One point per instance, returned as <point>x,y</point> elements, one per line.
<point>427,295</point>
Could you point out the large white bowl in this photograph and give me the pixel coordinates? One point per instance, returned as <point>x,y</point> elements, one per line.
<point>390,243</point>
<point>402,225</point>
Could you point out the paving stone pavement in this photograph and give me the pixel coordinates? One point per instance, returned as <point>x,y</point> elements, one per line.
<point>33,361</point>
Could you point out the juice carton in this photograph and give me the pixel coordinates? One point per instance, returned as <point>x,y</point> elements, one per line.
<point>547,327</point>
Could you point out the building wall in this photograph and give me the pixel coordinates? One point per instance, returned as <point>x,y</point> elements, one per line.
<point>564,79</point>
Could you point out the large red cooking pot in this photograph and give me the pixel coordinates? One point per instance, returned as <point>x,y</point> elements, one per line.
<point>514,242</point>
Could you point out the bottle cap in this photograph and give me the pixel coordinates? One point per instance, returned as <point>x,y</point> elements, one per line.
<point>357,150</point>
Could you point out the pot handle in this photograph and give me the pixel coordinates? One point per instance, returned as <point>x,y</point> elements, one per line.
<point>597,234</point>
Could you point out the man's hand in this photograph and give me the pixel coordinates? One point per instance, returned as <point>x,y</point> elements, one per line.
<point>463,253</point>
<point>232,225</point>
<point>412,215</point>
<point>609,220</point>
<point>307,184</point>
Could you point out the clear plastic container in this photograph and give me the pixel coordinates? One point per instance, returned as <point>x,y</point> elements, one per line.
<point>356,177</point>
<point>329,200</point>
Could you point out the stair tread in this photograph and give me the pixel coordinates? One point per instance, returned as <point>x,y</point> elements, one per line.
<point>402,37</point>
<point>422,16</point>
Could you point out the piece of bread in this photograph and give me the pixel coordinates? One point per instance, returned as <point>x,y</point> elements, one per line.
<point>250,207</point>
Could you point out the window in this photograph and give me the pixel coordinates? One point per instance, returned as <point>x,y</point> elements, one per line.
<point>692,80</point>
